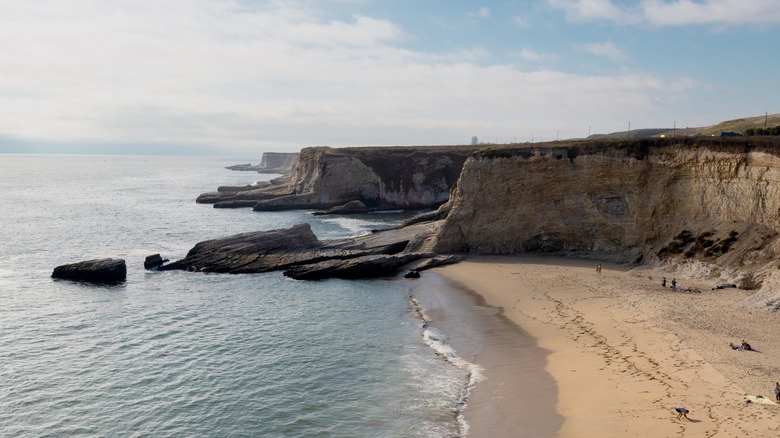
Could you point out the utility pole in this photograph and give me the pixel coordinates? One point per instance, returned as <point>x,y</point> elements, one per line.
<point>674,130</point>
<point>588,131</point>
<point>766,115</point>
<point>556,135</point>
<point>629,129</point>
<point>532,137</point>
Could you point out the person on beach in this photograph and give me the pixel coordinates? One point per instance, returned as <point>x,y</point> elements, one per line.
<point>674,285</point>
<point>777,391</point>
<point>598,269</point>
<point>746,346</point>
<point>682,412</point>
<point>663,282</point>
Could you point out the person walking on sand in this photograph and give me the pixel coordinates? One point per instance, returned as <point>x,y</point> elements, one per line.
<point>682,412</point>
<point>777,391</point>
<point>663,282</point>
<point>598,269</point>
<point>674,285</point>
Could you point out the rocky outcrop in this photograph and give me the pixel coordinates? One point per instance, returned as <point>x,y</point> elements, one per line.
<point>360,267</point>
<point>298,251</point>
<point>271,162</point>
<point>248,195</point>
<point>251,252</point>
<point>381,178</point>
<point>620,201</point>
<point>352,207</point>
<point>95,271</point>
<point>153,262</point>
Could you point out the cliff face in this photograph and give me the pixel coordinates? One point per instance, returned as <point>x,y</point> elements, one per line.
<point>618,202</point>
<point>383,178</point>
<point>277,162</point>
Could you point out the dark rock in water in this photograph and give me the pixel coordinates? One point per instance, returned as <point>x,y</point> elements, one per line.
<point>211,197</point>
<point>251,252</point>
<point>298,251</point>
<point>153,261</point>
<point>97,271</point>
<point>265,251</point>
<point>352,207</point>
<point>235,203</point>
<point>360,267</point>
<point>413,273</point>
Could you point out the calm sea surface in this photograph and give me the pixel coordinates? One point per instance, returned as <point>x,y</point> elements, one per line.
<point>190,354</point>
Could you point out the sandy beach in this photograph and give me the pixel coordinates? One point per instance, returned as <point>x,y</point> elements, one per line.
<point>618,352</point>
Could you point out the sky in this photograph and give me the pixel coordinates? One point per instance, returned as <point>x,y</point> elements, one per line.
<point>237,77</point>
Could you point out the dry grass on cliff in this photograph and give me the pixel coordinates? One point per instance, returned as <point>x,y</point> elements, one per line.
<point>633,148</point>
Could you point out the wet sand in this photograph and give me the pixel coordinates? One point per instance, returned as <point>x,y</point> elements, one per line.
<point>620,350</point>
<point>514,391</point>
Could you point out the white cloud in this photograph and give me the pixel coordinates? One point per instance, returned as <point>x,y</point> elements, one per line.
<point>482,12</point>
<point>520,21</point>
<point>607,50</point>
<point>682,12</point>
<point>533,55</point>
<point>211,72</point>
<point>583,10</point>
<point>674,12</point>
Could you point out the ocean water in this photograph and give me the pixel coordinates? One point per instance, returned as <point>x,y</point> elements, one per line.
<point>180,354</point>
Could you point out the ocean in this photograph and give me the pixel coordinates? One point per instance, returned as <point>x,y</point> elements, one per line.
<point>181,354</point>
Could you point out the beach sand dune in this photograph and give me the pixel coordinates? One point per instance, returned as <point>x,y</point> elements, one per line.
<point>622,352</point>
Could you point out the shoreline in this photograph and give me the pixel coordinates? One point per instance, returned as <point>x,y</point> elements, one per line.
<point>622,350</point>
<point>509,389</point>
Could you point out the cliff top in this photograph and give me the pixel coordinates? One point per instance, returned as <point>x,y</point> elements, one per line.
<point>635,148</point>
<point>392,150</point>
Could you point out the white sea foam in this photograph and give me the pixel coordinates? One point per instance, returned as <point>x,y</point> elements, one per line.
<point>437,340</point>
<point>356,227</point>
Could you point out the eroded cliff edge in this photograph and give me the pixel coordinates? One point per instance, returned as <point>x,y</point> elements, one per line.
<point>381,178</point>
<point>713,201</point>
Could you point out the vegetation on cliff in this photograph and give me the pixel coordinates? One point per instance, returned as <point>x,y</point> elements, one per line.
<point>631,148</point>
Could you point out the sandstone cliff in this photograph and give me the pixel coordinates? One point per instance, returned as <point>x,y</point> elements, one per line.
<point>684,199</point>
<point>381,178</point>
<point>277,162</point>
<point>271,162</point>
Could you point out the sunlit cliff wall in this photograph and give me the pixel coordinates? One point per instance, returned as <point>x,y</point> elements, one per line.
<point>615,201</point>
